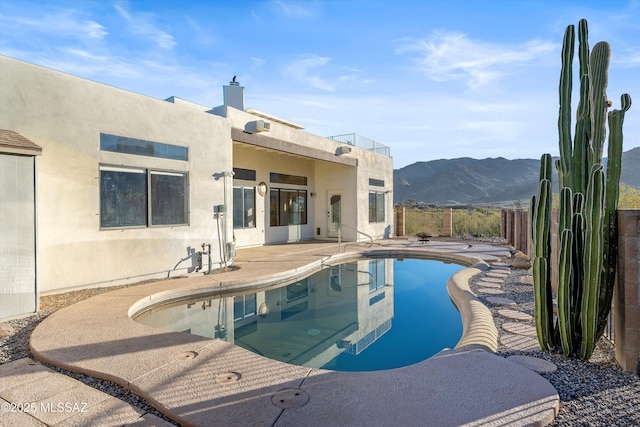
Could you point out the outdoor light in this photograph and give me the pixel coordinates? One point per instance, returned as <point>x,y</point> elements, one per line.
<point>262,188</point>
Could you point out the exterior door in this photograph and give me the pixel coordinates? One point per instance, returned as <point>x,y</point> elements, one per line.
<point>17,228</point>
<point>334,214</point>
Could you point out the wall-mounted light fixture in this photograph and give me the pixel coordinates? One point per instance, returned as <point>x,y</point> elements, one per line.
<point>262,188</point>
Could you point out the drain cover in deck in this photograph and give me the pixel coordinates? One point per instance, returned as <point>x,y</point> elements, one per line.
<point>290,398</point>
<point>227,377</point>
<point>186,355</point>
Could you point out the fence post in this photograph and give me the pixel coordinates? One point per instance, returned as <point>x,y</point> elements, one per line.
<point>447,222</point>
<point>400,221</point>
<point>626,299</point>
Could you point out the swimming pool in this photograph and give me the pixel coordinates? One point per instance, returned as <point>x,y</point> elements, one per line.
<point>370,314</point>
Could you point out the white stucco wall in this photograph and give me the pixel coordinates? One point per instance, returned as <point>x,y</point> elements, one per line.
<point>352,182</point>
<point>65,115</point>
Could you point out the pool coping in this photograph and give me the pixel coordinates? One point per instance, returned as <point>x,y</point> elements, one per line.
<point>173,371</point>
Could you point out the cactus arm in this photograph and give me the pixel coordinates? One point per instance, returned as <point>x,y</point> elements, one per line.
<point>583,119</point>
<point>593,254</point>
<point>612,193</point>
<point>598,68</point>
<point>541,239</point>
<point>581,138</point>
<point>577,282</point>
<point>564,116</point>
<point>565,321</point>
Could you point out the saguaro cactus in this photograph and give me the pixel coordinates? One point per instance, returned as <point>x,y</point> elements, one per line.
<point>587,228</point>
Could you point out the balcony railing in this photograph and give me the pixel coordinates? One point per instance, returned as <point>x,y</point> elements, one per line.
<point>362,142</point>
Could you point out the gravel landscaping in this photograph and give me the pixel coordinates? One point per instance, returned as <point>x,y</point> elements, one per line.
<point>593,393</point>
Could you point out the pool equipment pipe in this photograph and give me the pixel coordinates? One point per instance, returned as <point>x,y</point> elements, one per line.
<point>220,216</point>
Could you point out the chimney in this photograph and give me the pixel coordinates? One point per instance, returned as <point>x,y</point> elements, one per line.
<point>234,95</point>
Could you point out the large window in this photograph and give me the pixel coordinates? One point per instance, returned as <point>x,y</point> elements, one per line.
<point>376,206</point>
<point>287,207</point>
<point>140,147</point>
<point>132,197</point>
<point>244,210</point>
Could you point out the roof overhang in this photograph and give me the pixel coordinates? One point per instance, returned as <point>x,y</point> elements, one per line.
<point>13,143</point>
<point>270,143</point>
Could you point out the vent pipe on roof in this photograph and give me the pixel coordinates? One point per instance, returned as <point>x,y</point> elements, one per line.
<point>234,95</point>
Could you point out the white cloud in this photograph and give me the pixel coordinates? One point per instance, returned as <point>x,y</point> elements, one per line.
<point>257,62</point>
<point>60,23</point>
<point>449,56</point>
<point>142,25</point>
<point>292,9</point>
<point>306,70</point>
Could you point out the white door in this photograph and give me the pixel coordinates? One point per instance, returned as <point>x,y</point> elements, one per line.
<point>334,214</point>
<point>17,228</point>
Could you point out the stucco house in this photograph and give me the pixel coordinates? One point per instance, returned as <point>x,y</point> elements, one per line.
<point>100,186</point>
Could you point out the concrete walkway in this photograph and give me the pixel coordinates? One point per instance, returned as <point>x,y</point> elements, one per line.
<point>200,381</point>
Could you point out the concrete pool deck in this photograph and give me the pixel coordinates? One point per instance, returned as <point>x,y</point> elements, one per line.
<point>200,381</point>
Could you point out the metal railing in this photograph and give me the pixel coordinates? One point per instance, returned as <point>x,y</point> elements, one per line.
<point>340,248</point>
<point>362,142</point>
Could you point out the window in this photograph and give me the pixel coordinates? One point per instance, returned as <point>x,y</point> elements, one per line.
<point>132,197</point>
<point>296,291</point>
<point>281,178</point>
<point>244,306</point>
<point>244,201</point>
<point>287,207</point>
<point>377,273</point>
<point>140,147</point>
<point>245,174</point>
<point>376,182</point>
<point>376,206</point>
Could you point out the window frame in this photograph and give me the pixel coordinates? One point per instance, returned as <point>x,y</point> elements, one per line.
<point>304,215</point>
<point>148,195</point>
<point>143,147</point>
<point>243,189</point>
<point>377,208</point>
<point>377,272</point>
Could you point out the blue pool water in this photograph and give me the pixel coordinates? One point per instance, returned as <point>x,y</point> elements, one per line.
<point>372,314</point>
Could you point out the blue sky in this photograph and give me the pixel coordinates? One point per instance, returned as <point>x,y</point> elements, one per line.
<point>431,79</point>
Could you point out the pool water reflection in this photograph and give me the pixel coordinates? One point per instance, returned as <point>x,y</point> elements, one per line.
<point>371,314</point>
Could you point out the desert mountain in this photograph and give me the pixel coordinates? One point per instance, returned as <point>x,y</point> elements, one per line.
<point>486,181</point>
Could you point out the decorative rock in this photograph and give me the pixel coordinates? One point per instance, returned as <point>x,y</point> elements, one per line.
<point>490,291</point>
<point>484,284</point>
<point>520,342</point>
<point>515,315</point>
<point>5,330</point>
<point>534,363</point>
<point>520,329</point>
<point>501,301</point>
<point>521,263</point>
